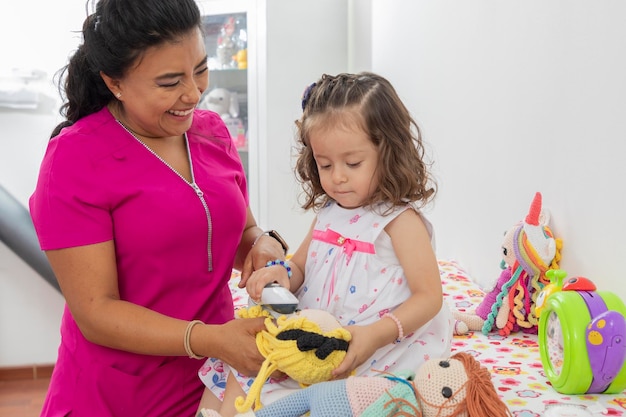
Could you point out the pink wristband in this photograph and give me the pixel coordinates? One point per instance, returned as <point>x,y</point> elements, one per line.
<point>398,324</point>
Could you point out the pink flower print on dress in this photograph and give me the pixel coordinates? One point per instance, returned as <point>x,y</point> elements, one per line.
<point>205,369</point>
<point>355,219</point>
<point>398,280</point>
<point>219,366</point>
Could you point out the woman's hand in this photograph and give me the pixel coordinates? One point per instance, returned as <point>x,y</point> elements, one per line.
<point>240,350</point>
<point>265,249</point>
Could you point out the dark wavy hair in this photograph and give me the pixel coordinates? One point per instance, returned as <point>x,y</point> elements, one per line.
<point>114,37</point>
<point>371,101</point>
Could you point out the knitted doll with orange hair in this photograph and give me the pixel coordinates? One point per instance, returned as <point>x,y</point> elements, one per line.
<point>454,387</point>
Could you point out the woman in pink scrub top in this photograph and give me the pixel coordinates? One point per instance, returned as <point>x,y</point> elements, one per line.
<point>142,209</point>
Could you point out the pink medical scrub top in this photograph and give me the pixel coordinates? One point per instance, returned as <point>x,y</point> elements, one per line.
<point>174,254</point>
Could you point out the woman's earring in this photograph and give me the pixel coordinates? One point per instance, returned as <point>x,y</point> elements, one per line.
<point>118,95</point>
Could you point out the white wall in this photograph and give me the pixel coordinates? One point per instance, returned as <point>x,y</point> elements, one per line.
<point>30,308</point>
<point>304,38</point>
<point>513,97</point>
<point>517,97</point>
<point>33,35</point>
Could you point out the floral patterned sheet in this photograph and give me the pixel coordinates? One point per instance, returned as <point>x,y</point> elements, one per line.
<point>514,361</point>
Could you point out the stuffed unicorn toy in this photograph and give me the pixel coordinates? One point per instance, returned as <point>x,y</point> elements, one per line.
<point>529,250</point>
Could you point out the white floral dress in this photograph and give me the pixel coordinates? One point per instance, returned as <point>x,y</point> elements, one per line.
<point>353,272</point>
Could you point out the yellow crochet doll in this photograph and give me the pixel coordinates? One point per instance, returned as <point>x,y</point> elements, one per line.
<point>306,346</point>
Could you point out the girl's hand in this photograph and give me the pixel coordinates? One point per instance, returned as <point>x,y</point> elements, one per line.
<point>363,345</point>
<point>261,277</point>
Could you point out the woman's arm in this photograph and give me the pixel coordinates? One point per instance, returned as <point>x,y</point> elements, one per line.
<point>277,273</point>
<point>250,258</point>
<point>88,279</point>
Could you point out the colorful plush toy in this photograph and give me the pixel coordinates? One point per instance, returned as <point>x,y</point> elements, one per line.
<point>453,387</point>
<point>306,346</point>
<point>529,250</point>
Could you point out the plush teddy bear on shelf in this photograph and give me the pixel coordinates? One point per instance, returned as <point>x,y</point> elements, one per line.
<point>222,101</point>
<point>452,387</point>
<point>529,250</point>
<point>226,103</point>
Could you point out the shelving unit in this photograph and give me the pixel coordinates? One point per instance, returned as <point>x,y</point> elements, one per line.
<point>226,36</point>
<point>289,44</point>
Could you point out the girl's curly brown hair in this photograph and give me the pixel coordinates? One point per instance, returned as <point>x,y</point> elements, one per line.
<point>371,101</point>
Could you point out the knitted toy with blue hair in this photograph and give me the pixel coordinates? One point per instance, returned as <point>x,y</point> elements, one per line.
<point>452,387</point>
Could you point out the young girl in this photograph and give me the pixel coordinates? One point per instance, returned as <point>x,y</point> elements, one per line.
<point>368,258</point>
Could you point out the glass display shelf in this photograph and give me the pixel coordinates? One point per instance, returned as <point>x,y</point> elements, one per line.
<point>226,42</point>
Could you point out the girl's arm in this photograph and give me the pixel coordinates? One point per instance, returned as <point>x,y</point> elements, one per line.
<point>412,244</point>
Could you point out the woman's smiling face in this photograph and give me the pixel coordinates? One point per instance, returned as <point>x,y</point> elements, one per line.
<point>160,92</point>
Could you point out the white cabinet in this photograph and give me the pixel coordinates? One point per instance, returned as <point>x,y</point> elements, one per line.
<point>290,44</point>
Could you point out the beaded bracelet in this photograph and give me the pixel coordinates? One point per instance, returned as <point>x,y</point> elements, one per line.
<point>281,263</point>
<point>187,338</point>
<point>400,328</point>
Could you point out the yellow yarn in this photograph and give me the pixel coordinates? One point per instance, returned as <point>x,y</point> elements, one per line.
<point>284,355</point>
<point>253,312</point>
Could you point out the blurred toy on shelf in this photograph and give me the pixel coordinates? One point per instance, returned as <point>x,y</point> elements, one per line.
<point>232,43</point>
<point>225,103</point>
<point>242,59</point>
<point>226,43</point>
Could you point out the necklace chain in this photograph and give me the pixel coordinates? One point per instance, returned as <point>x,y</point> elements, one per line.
<point>130,132</point>
<point>192,184</point>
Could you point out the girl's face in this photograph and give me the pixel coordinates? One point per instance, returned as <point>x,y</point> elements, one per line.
<point>346,160</point>
<point>161,91</point>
